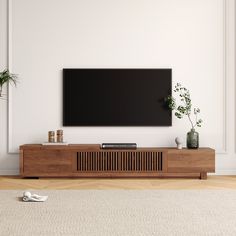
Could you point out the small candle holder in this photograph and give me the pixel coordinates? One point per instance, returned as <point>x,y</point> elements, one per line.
<point>59,136</point>
<point>51,136</point>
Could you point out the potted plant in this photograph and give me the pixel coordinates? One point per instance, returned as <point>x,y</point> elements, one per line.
<point>6,77</point>
<point>185,109</point>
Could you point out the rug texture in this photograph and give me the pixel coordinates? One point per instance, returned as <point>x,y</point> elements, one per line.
<point>120,212</point>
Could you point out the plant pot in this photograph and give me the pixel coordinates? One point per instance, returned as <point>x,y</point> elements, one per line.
<point>192,139</point>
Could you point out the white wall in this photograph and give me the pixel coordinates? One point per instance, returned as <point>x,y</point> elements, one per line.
<point>193,37</point>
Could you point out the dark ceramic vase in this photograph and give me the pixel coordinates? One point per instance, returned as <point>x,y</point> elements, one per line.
<point>192,139</point>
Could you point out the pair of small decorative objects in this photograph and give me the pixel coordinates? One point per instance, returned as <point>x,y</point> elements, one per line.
<point>192,140</point>
<point>59,138</point>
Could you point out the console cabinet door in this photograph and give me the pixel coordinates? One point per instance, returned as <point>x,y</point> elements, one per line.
<point>191,161</point>
<point>47,162</point>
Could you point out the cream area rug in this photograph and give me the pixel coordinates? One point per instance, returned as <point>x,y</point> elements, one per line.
<point>120,213</point>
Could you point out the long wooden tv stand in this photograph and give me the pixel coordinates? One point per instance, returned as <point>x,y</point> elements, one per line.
<point>37,160</point>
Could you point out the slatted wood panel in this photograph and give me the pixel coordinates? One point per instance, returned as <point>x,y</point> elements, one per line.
<point>140,161</point>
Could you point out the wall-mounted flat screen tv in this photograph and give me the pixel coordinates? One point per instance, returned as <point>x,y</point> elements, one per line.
<point>116,97</point>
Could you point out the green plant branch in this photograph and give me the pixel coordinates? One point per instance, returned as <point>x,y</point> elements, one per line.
<point>195,120</point>
<point>191,121</point>
<point>185,108</point>
<point>188,110</point>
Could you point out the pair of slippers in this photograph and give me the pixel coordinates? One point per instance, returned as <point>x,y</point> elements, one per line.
<point>28,197</point>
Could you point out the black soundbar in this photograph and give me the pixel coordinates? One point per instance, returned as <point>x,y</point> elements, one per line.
<point>119,146</point>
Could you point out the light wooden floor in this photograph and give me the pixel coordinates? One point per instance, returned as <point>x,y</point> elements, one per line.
<point>213,182</point>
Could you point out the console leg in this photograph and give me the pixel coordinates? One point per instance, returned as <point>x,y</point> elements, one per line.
<point>203,175</point>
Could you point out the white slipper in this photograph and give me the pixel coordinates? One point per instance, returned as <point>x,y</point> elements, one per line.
<point>28,197</point>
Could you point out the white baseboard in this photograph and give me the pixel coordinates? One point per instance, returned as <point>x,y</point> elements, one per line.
<point>9,172</point>
<point>225,172</point>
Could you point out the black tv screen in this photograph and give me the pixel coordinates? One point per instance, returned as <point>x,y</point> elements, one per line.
<point>116,97</point>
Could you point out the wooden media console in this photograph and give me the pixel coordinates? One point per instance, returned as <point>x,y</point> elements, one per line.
<point>37,160</point>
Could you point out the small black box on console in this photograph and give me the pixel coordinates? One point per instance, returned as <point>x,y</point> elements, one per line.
<point>119,146</point>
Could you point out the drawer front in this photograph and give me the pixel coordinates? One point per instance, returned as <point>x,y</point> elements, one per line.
<point>47,162</point>
<point>191,161</point>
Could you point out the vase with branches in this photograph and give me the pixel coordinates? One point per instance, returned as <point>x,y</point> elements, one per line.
<point>6,77</point>
<point>184,108</point>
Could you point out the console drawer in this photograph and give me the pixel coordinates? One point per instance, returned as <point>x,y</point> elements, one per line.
<point>49,162</point>
<point>191,161</point>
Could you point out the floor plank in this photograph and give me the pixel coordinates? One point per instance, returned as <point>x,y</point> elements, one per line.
<point>213,182</point>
